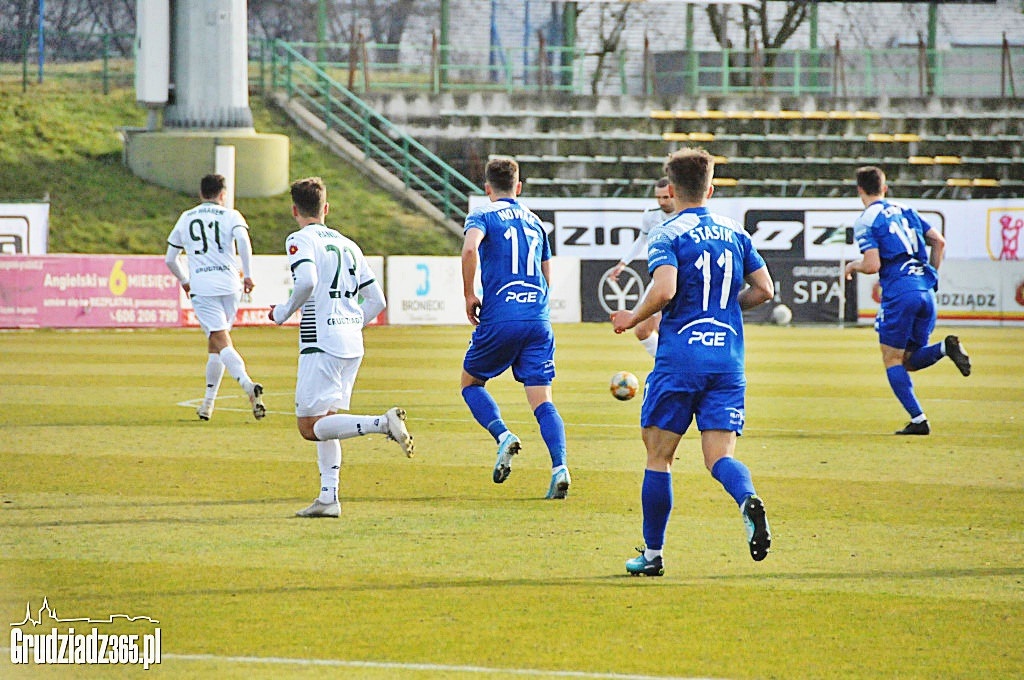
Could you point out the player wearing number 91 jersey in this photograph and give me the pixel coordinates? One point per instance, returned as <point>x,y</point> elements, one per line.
<point>208,235</point>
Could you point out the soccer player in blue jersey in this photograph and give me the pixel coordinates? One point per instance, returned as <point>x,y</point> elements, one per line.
<point>508,244</point>
<point>892,239</point>
<point>699,262</point>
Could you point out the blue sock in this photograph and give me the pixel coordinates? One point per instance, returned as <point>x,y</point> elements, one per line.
<point>735,477</point>
<point>553,431</point>
<point>656,497</point>
<point>899,380</point>
<point>484,409</point>
<point>926,356</point>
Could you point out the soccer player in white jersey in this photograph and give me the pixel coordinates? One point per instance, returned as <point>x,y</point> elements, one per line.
<point>206,234</point>
<point>330,275</point>
<point>699,262</point>
<point>647,330</point>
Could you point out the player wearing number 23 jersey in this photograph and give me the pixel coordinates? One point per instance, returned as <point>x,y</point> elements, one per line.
<point>332,320</point>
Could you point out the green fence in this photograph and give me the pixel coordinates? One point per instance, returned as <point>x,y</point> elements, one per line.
<point>416,166</point>
<point>105,61</point>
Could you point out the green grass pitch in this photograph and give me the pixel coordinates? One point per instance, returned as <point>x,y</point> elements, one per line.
<point>892,557</point>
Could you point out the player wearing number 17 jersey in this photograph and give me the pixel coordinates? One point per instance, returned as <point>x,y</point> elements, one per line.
<point>699,262</point>
<point>338,295</point>
<point>208,235</point>
<point>892,239</point>
<point>513,328</point>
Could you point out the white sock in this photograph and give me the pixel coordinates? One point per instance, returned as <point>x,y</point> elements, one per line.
<point>214,373</point>
<point>555,470</point>
<point>236,367</point>
<point>650,343</point>
<point>328,459</point>
<point>649,554</point>
<point>346,426</point>
<point>919,419</point>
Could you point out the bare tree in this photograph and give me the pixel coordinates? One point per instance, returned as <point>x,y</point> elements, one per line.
<point>608,37</point>
<point>757,25</point>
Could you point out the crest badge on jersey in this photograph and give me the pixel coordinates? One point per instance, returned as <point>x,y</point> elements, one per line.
<point>292,249</point>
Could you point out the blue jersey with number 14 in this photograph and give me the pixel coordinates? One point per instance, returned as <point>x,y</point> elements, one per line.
<point>511,253</point>
<point>702,326</point>
<point>898,233</point>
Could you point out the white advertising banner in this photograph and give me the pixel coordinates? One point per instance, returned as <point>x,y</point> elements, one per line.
<point>425,290</point>
<point>273,279</point>
<point>810,228</point>
<point>970,293</point>
<point>24,228</point>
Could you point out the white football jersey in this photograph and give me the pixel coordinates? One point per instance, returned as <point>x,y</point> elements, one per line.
<point>206,234</point>
<point>652,217</point>
<point>332,320</point>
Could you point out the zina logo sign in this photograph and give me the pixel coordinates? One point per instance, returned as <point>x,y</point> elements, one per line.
<point>621,293</point>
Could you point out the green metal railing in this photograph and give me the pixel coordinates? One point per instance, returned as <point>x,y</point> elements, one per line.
<point>106,61</point>
<point>366,66</point>
<point>416,166</point>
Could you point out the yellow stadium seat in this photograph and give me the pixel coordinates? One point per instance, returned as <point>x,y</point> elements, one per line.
<point>724,182</point>
<point>879,137</point>
<point>947,160</point>
<point>921,160</point>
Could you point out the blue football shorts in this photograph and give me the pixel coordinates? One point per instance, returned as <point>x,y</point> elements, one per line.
<point>528,347</point>
<point>906,321</point>
<point>671,400</point>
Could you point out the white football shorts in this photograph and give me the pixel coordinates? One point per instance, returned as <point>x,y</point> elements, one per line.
<point>324,383</point>
<point>215,312</point>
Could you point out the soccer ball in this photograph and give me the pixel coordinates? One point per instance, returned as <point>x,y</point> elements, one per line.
<point>624,385</point>
<point>782,315</point>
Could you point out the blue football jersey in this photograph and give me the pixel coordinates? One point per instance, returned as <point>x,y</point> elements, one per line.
<point>702,326</point>
<point>898,233</point>
<point>513,247</point>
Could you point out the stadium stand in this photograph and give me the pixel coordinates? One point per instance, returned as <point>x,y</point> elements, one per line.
<point>929,147</point>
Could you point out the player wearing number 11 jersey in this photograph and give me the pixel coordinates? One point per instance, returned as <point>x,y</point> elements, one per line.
<point>338,295</point>
<point>508,244</point>
<point>208,235</point>
<point>699,262</point>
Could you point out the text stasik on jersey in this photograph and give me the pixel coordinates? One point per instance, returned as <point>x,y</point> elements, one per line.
<point>702,326</point>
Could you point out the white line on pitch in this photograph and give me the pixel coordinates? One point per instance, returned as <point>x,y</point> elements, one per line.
<point>428,667</point>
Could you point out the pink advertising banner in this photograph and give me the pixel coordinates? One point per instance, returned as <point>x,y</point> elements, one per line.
<point>87,291</point>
